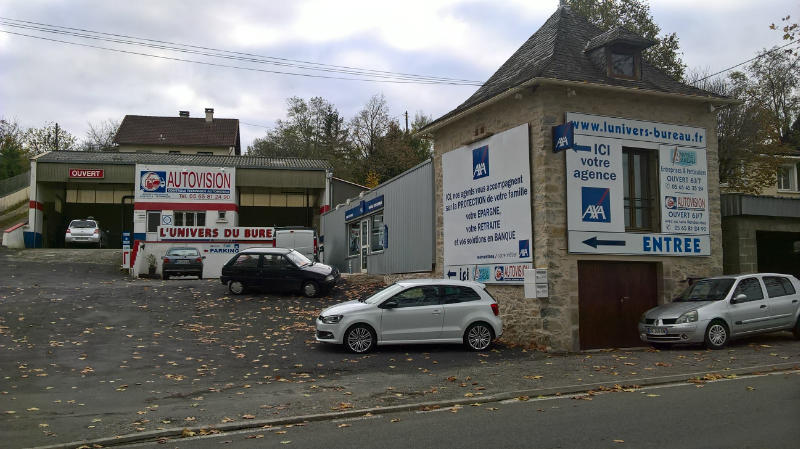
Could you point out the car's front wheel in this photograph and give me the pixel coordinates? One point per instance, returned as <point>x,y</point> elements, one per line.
<point>478,336</point>
<point>236,287</point>
<point>310,289</point>
<point>359,339</point>
<point>716,335</point>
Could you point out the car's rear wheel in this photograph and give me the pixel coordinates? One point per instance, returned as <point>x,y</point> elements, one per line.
<point>236,287</point>
<point>478,336</point>
<point>359,339</point>
<point>310,289</point>
<point>717,335</point>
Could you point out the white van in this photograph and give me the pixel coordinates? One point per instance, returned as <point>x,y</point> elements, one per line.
<point>303,240</point>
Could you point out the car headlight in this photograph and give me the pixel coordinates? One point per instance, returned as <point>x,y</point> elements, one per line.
<point>329,278</point>
<point>331,319</point>
<point>688,317</point>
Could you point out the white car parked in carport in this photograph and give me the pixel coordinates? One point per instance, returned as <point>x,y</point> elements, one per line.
<point>414,311</point>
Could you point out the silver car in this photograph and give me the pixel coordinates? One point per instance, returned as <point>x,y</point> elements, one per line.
<point>414,311</point>
<point>714,310</point>
<point>85,231</point>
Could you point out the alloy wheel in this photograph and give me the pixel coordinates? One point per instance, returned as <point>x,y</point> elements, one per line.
<point>359,339</point>
<point>717,334</point>
<point>479,337</point>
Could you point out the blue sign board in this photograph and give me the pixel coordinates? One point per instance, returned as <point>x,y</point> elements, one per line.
<point>126,239</point>
<point>364,207</point>
<point>563,137</point>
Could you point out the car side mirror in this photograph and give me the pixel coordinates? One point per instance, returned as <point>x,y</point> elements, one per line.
<point>741,297</point>
<point>390,304</point>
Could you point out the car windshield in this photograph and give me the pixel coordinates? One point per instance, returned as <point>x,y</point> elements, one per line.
<point>298,259</point>
<point>185,252</point>
<point>383,294</point>
<point>83,224</point>
<point>707,290</point>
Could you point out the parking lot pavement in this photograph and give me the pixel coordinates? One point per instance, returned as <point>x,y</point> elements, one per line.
<point>88,353</point>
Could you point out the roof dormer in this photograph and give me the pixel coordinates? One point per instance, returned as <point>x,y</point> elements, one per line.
<point>619,52</point>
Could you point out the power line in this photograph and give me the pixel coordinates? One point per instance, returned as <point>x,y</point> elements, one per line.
<point>219,53</point>
<point>252,69</point>
<point>761,55</point>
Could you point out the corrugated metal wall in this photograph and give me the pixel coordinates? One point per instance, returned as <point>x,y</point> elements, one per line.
<point>408,214</point>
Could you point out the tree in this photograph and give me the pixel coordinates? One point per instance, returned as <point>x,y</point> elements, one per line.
<point>49,137</point>
<point>370,125</point>
<point>100,136</point>
<point>13,158</point>
<point>635,16</point>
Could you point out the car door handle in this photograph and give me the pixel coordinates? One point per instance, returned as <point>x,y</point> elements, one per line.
<point>794,301</point>
<point>763,306</point>
<point>437,312</point>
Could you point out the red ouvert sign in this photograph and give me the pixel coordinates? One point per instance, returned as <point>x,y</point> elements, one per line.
<point>87,173</point>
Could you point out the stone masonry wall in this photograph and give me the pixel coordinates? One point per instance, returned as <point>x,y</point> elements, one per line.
<point>552,323</point>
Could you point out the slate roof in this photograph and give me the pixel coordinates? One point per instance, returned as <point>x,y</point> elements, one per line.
<point>177,131</point>
<point>619,34</point>
<point>114,158</point>
<point>557,51</point>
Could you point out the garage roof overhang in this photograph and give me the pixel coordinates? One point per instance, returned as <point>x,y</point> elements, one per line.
<point>735,204</point>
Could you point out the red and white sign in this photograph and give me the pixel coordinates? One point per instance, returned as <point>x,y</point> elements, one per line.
<point>202,233</point>
<point>86,173</point>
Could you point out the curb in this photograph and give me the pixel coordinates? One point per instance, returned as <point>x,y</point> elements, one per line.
<point>549,391</point>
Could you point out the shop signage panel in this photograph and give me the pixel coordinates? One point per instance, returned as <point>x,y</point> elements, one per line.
<point>203,233</point>
<point>596,187</point>
<point>626,129</point>
<point>175,184</point>
<point>509,273</point>
<point>364,208</point>
<point>487,201</point>
<point>639,244</point>
<point>86,173</point>
<point>684,194</point>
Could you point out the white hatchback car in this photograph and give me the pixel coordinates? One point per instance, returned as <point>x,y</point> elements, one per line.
<point>714,310</point>
<point>414,311</point>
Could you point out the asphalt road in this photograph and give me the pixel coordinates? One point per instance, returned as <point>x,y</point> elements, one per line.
<point>748,412</point>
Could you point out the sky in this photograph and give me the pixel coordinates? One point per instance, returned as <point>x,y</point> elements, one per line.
<point>44,81</point>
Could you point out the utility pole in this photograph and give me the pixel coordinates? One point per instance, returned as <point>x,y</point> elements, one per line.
<point>406,114</point>
<point>56,136</point>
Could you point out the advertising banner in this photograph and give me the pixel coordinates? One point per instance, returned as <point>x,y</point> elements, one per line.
<point>487,203</point>
<point>175,184</point>
<point>597,183</point>
<point>203,233</point>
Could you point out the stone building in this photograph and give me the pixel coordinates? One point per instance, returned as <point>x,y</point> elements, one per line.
<point>614,222</point>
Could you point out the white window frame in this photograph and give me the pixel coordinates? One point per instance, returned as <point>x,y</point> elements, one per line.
<point>792,178</point>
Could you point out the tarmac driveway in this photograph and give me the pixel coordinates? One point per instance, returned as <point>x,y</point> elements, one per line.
<point>87,353</point>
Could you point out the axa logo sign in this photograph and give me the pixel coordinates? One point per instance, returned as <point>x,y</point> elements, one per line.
<point>596,204</point>
<point>480,162</point>
<point>153,181</point>
<point>524,249</point>
<point>685,158</point>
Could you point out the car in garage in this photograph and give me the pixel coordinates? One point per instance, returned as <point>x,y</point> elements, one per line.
<point>280,269</point>
<point>182,261</point>
<point>712,311</point>
<point>85,231</point>
<point>414,311</point>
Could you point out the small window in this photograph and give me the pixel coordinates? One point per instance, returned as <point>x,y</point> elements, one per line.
<point>246,261</point>
<point>751,288</point>
<point>623,64</point>
<point>778,286</point>
<point>376,233</point>
<point>188,218</point>
<point>353,238</point>
<point>640,191</point>
<point>787,177</point>
<point>455,295</point>
<point>153,220</point>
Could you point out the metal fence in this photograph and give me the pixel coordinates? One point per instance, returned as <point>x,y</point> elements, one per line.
<point>14,183</point>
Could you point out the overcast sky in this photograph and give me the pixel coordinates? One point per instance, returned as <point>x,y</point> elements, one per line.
<point>43,81</point>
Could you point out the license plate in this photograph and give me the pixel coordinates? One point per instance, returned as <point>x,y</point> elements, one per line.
<point>182,261</point>
<point>657,330</point>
